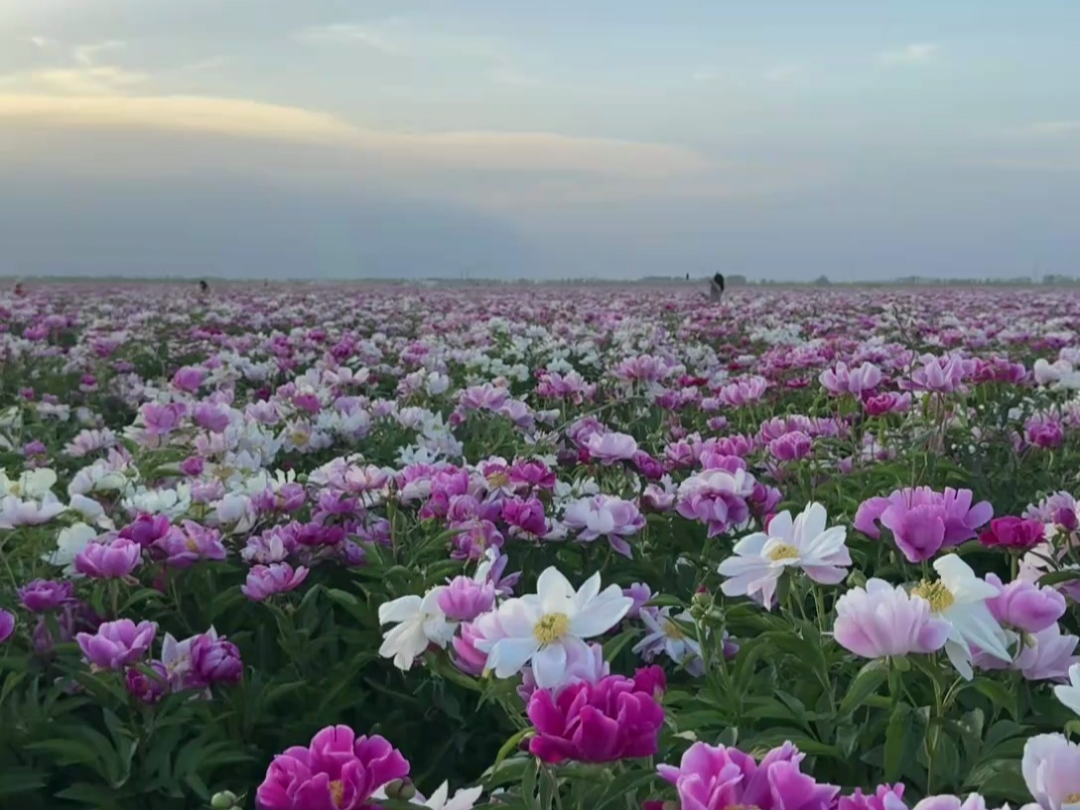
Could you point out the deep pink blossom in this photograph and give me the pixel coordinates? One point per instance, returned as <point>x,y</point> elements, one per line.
<point>338,771</point>
<point>612,719</point>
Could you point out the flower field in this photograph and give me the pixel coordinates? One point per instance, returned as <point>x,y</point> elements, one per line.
<point>543,548</point>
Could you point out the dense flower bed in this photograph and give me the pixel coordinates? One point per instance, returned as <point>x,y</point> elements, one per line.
<point>334,548</point>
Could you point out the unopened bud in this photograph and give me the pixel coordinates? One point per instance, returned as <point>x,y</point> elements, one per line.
<point>401,789</point>
<point>702,599</point>
<point>226,800</point>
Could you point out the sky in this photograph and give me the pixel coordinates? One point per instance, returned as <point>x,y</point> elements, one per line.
<point>780,139</point>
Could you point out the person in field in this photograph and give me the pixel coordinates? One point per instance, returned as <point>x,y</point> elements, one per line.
<point>716,288</point>
<point>203,286</point>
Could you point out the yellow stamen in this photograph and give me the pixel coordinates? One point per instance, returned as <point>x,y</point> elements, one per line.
<point>337,793</point>
<point>551,627</point>
<point>672,630</point>
<point>939,597</point>
<point>784,551</point>
<point>192,545</point>
<point>499,479</point>
<point>1072,798</point>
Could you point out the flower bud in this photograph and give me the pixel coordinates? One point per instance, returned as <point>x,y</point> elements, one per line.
<point>400,789</point>
<point>226,800</point>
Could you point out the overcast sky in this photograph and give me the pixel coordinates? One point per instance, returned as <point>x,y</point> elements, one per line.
<point>776,138</point>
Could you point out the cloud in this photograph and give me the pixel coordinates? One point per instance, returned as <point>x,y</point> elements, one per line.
<point>349,34</point>
<point>87,55</point>
<point>478,150</point>
<point>41,43</point>
<point>918,53</point>
<point>399,36</point>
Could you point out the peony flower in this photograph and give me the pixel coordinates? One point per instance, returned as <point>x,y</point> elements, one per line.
<point>264,581</point>
<point>612,719</point>
<point>665,636</point>
<point>543,628</point>
<point>463,599</point>
<point>149,687</point>
<point>7,625</point>
<point>605,516</point>
<point>610,448</point>
<point>583,665</point>
<point>1013,532</point>
<point>112,560</point>
<point>338,771</point>
<point>185,547</point>
<point>1051,769</point>
<point>1025,606</point>
<point>923,521</point>
<point>960,598</point>
<point>717,498</point>
<point>214,659</point>
<point>43,595</point>
<point>885,797</point>
<point>117,644</point>
<point>420,623</point>
<point>762,558</point>
<point>718,778</point>
<point>881,620</point>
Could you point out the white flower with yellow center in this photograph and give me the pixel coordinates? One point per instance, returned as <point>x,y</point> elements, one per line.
<point>805,543</point>
<point>420,623</point>
<point>543,628</point>
<point>959,598</point>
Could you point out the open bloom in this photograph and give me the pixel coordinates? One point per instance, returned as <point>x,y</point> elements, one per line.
<point>7,625</point>
<point>605,516</point>
<point>1025,606</point>
<point>717,498</point>
<point>1013,532</point>
<point>923,521</point>
<point>609,448</point>
<point>117,644</point>
<point>762,558</point>
<point>420,623</point>
<point>717,778</point>
<point>881,620</point>
<point>1051,769</point>
<point>614,718</point>
<point>338,771</point>
<point>112,560</point>
<point>665,636</point>
<point>541,628</point>
<point>264,581</point>
<point>960,598</point>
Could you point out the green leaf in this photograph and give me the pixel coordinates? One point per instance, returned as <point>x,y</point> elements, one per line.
<point>614,646</point>
<point>896,742</point>
<point>14,780</point>
<point>866,683</point>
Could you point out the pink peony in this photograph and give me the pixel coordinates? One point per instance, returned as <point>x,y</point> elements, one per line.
<point>615,718</point>
<point>338,771</point>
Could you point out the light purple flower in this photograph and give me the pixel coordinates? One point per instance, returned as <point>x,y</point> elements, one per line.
<point>43,595</point>
<point>185,547</point>
<point>464,598</point>
<point>117,644</point>
<point>924,521</point>
<point>717,778</point>
<point>610,448</point>
<point>1025,606</point>
<point>7,625</point>
<point>113,560</point>
<point>605,516</point>
<point>267,580</point>
<point>881,620</point>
